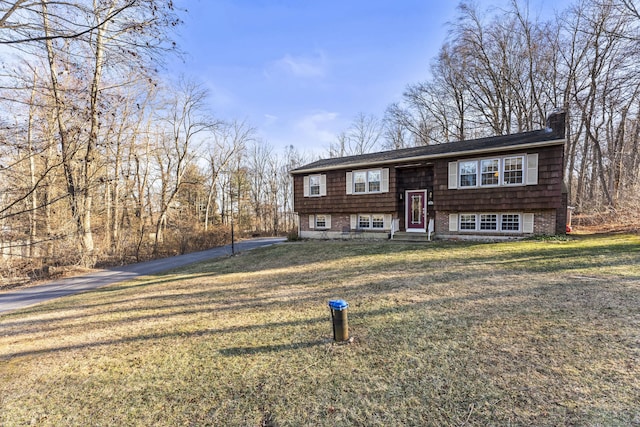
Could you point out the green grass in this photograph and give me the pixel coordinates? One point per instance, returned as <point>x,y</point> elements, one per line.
<point>538,332</point>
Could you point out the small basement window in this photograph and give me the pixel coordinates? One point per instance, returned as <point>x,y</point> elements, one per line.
<point>377,221</point>
<point>488,222</point>
<point>321,221</point>
<point>467,222</point>
<point>510,222</point>
<point>364,221</point>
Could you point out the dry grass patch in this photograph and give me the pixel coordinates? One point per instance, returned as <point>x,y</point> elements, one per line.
<point>519,333</point>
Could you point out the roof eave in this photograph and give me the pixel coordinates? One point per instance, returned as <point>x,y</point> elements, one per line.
<point>430,156</point>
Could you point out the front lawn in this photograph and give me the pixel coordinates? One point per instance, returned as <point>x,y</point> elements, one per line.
<point>539,332</point>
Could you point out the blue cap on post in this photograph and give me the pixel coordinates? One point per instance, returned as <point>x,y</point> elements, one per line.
<point>338,304</point>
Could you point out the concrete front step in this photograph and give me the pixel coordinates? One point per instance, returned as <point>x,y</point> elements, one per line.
<point>403,236</point>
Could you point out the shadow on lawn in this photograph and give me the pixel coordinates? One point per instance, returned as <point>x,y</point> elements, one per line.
<point>548,259</point>
<point>252,297</point>
<point>176,334</point>
<point>241,351</point>
<point>509,300</point>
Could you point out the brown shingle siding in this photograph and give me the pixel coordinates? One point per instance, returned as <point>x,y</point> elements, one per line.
<point>337,201</point>
<point>545,195</point>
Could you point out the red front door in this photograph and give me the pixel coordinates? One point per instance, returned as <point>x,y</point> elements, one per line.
<point>416,212</point>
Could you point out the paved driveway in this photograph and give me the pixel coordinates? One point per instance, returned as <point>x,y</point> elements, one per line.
<point>13,300</point>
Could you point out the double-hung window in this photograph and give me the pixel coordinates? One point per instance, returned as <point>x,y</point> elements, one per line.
<point>377,221</point>
<point>467,222</point>
<point>507,222</point>
<point>468,173</point>
<point>510,222</point>
<point>373,180</point>
<point>360,182</point>
<point>489,172</point>
<point>364,221</point>
<point>488,222</point>
<point>494,172</point>
<point>512,170</point>
<point>368,181</point>
<point>314,185</point>
<point>321,221</point>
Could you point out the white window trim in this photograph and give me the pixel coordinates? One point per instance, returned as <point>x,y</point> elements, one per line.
<point>525,223</point>
<point>384,181</point>
<point>368,216</point>
<point>307,185</point>
<point>366,182</point>
<point>524,171</point>
<point>479,179</point>
<point>519,230</point>
<point>477,162</point>
<point>313,222</point>
<point>386,222</point>
<point>475,221</point>
<point>497,215</point>
<point>529,172</point>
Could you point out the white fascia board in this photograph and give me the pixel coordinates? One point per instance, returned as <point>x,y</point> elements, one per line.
<point>357,165</point>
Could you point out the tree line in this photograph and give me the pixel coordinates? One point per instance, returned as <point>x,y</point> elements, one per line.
<point>103,161</point>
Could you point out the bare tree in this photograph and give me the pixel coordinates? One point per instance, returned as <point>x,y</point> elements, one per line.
<point>363,136</point>
<point>185,119</point>
<point>228,141</point>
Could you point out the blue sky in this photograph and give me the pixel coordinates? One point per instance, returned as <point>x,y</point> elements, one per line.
<point>299,71</point>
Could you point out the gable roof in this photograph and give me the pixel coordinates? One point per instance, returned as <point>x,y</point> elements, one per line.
<point>538,138</point>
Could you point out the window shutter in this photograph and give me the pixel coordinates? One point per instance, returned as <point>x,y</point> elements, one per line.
<point>354,222</point>
<point>349,182</point>
<point>323,185</point>
<point>453,222</point>
<point>312,222</point>
<point>306,186</point>
<point>453,176</point>
<point>532,169</point>
<point>387,221</point>
<point>328,223</point>
<point>384,185</point>
<point>527,223</point>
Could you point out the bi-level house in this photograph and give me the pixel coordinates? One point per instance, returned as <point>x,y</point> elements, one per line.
<point>497,187</point>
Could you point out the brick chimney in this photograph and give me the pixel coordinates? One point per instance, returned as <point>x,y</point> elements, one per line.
<point>555,122</point>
